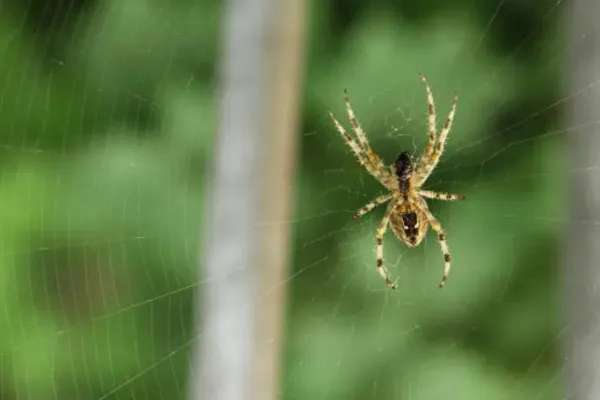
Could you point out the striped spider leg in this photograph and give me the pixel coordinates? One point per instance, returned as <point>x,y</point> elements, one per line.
<point>441,195</point>
<point>437,227</point>
<point>361,148</point>
<point>435,147</point>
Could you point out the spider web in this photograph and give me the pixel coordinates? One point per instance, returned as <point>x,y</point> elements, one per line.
<point>100,204</point>
<point>494,331</point>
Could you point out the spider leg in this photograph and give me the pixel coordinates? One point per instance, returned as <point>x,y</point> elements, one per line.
<point>440,195</point>
<point>437,227</point>
<point>379,249</point>
<point>377,201</point>
<point>367,158</point>
<point>429,162</point>
<point>356,149</point>
<point>360,134</point>
<point>431,121</point>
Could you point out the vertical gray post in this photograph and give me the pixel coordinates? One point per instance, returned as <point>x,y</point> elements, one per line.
<point>581,262</point>
<point>243,268</point>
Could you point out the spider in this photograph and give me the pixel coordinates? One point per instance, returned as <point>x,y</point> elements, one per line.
<point>407,211</point>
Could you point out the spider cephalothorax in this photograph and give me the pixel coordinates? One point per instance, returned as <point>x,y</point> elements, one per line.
<point>404,169</point>
<point>407,212</point>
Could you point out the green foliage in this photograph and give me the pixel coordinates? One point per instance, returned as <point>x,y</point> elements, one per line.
<point>103,159</point>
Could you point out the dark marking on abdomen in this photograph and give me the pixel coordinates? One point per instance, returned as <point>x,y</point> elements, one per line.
<point>411,224</point>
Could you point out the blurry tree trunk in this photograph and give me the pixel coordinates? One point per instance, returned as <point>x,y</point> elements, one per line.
<point>285,45</point>
<point>240,311</point>
<point>581,268</point>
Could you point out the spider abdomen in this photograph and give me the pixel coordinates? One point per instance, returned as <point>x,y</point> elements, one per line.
<point>409,226</point>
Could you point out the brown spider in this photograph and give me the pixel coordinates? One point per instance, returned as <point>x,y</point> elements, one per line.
<point>407,211</point>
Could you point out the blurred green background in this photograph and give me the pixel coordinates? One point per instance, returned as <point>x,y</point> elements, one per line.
<point>107,115</point>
